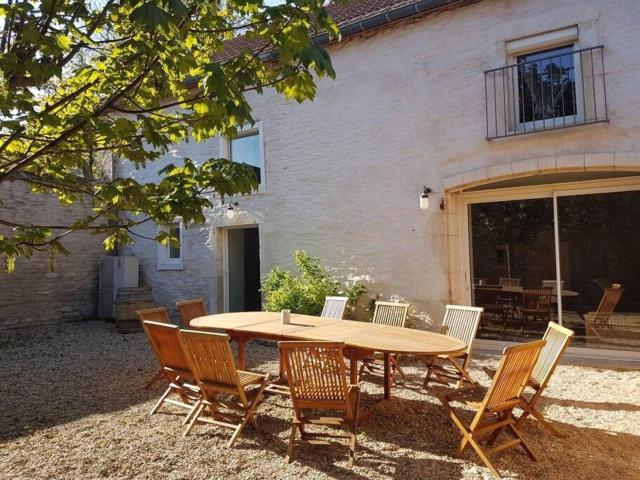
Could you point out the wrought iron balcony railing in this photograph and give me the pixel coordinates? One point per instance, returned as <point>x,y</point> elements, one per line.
<point>564,89</point>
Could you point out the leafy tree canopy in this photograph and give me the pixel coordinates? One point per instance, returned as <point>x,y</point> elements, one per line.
<point>80,79</point>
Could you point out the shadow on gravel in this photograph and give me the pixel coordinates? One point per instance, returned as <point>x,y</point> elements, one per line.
<point>59,373</point>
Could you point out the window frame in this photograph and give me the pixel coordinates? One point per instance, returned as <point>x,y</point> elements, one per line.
<point>164,260</point>
<point>556,39</point>
<point>245,131</point>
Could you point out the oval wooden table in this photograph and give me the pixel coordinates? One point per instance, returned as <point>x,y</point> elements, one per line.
<point>360,338</point>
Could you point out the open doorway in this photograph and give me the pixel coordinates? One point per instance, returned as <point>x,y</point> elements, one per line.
<point>242,275</point>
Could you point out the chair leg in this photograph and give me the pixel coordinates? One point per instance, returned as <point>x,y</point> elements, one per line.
<point>249,415</point>
<point>476,446</point>
<point>463,373</point>
<point>352,446</point>
<point>523,443</point>
<point>292,439</point>
<point>159,403</point>
<point>531,410</point>
<point>197,410</point>
<point>427,377</point>
<point>395,362</point>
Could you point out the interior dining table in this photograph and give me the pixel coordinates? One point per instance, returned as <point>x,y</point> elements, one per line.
<point>361,339</point>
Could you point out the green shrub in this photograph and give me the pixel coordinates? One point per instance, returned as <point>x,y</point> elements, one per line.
<point>305,291</point>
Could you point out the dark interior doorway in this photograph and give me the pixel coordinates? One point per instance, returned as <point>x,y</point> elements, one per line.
<point>244,269</point>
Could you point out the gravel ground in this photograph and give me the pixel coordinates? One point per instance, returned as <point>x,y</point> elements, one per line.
<point>73,407</point>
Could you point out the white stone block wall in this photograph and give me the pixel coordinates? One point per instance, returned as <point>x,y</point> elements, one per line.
<point>344,172</point>
<point>33,294</point>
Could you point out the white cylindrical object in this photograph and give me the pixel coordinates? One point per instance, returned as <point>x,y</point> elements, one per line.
<point>285,316</point>
<point>424,201</point>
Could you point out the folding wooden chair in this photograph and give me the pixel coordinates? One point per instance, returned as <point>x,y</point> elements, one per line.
<point>318,381</point>
<point>174,366</point>
<point>153,315</point>
<point>334,307</point>
<point>391,313</point>
<point>558,339</point>
<point>462,323</point>
<point>395,315</point>
<point>536,304</point>
<point>494,413</point>
<point>190,309</point>
<point>211,360</point>
<point>509,282</point>
<point>599,319</point>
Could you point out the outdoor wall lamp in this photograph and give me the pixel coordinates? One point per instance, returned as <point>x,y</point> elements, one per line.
<point>231,211</point>
<point>424,198</point>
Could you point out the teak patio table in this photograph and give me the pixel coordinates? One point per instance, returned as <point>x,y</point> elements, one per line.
<point>360,338</point>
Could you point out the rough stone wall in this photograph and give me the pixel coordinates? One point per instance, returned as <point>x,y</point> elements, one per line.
<point>407,109</point>
<point>34,295</point>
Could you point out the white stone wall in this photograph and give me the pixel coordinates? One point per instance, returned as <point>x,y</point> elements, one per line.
<point>33,294</point>
<point>343,173</point>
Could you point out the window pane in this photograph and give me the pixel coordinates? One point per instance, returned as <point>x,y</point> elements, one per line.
<point>599,238</point>
<point>512,250</point>
<point>247,150</point>
<point>546,84</point>
<point>174,250</point>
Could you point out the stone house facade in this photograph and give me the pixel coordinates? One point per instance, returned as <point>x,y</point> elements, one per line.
<point>410,108</point>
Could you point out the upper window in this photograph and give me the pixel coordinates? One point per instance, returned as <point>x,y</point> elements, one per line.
<point>550,81</point>
<point>547,85</point>
<point>247,148</point>
<point>170,255</point>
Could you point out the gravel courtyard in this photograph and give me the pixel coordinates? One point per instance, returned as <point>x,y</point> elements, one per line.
<point>73,407</point>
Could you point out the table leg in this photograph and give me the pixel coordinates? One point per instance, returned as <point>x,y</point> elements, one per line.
<point>242,352</point>
<point>353,371</point>
<point>387,377</point>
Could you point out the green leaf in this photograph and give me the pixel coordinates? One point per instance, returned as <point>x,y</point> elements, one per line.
<point>150,15</point>
<point>63,42</point>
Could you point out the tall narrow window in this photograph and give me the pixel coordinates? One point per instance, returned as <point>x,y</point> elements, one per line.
<point>547,85</point>
<point>170,255</point>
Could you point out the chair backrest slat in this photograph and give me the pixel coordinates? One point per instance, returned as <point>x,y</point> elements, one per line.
<point>553,285</point>
<point>391,313</point>
<point>558,339</point>
<point>509,282</point>
<point>609,300</point>
<point>153,315</point>
<point>512,374</point>
<point>334,307</point>
<point>462,322</point>
<point>190,309</point>
<point>210,357</point>
<point>165,341</point>
<point>317,374</point>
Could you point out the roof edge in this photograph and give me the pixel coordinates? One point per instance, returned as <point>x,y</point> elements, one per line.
<point>380,20</point>
<point>360,26</point>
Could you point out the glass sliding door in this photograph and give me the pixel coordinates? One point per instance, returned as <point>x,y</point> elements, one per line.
<point>570,255</point>
<point>600,267</point>
<point>513,267</point>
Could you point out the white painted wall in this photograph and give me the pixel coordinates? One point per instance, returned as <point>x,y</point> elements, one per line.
<point>407,109</point>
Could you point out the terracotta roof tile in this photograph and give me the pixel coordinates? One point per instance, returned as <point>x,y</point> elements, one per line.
<point>343,14</point>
